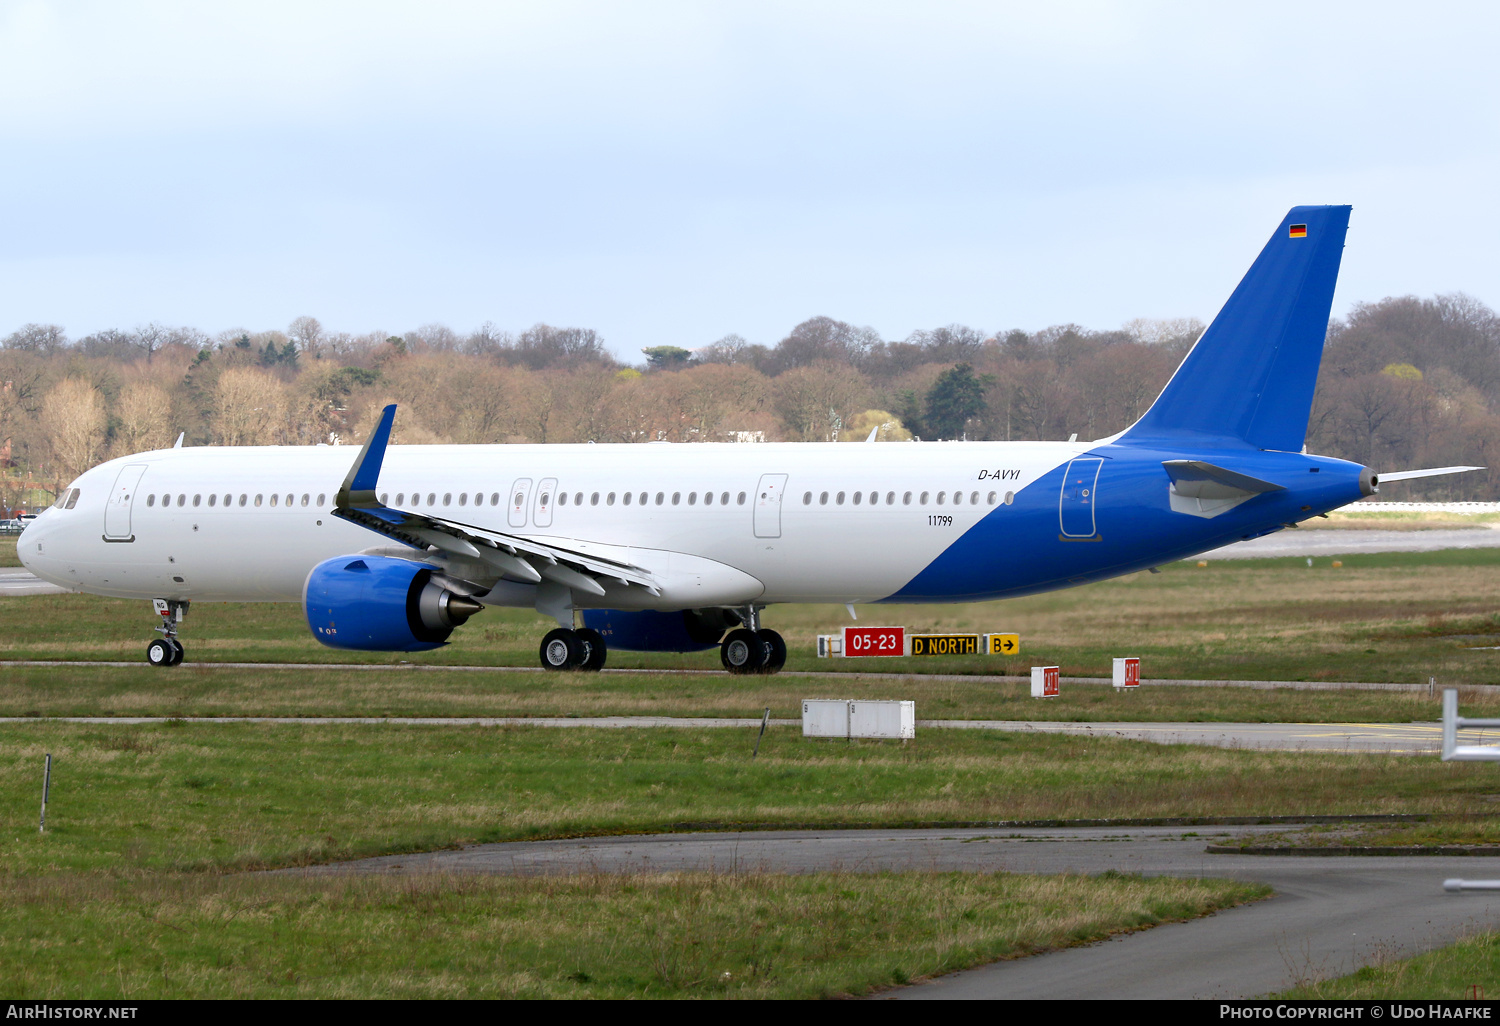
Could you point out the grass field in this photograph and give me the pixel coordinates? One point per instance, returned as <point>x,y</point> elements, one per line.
<point>606,936</point>
<point>138,887</point>
<point>224,797</point>
<point>1398,617</point>
<point>1467,969</point>
<point>216,690</point>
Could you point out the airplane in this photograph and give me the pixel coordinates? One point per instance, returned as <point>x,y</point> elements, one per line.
<point>671,547</point>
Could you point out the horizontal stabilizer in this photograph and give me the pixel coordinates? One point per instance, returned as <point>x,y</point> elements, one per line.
<point>1203,490</point>
<point>1411,475</point>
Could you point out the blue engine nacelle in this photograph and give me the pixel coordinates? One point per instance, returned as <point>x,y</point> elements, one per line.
<point>690,630</point>
<point>380,604</point>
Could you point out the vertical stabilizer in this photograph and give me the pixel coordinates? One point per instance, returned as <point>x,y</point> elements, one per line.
<point>1249,379</point>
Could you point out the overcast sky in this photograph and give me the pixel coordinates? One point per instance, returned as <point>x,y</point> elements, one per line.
<point>670,173</point>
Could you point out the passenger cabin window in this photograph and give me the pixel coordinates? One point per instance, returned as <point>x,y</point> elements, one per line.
<point>1010,497</point>
<point>594,499</point>
<point>562,498</point>
<point>274,499</point>
<point>230,498</point>
<point>320,499</point>
<point>182,500</point>
<point>992,498</point>
<point>839,498</point>
<point>692,498</point>
<point>708,498</point>
<point>432,498</point>
<point>723,498</point>
<point>676,498</point>
<point>807,498</point>
<point>463,498</point>
<point>628,497</point>
<point>890,498</point>
<point>856,497</point>
<point>906,499</point>
<point>610,500</point>
<point>151,499</point>
<point>661,497</point>
<point>823,499</point>
<point>741,499</point>
<point>401,498</point>
<point>213,500</point>
<point>940,497</point>
<point>923,500</point>
<point>197,500</point>
<point>258,499</point>
<point>447,498</point>
<point>643,498</point>
<point>973,498</point>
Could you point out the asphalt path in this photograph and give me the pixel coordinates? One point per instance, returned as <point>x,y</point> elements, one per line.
<point>1330,916</point>
<point>1423,739</point>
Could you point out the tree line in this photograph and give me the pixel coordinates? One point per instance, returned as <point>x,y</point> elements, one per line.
<point>1406,382</point>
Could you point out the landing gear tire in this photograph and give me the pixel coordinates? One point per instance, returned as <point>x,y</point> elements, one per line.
<point>743,651</point>
<point>177,651</point>
<point>593,644</point>
<point>162,652</point>
<point>774,647</point>
<point>562,650</point>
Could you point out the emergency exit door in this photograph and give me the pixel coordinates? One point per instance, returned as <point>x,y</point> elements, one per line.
<point>768,505</point>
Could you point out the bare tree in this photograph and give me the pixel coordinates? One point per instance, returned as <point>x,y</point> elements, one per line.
<point>74,414</point>
<point>144,412</point>
<point>45,339</point>
<point>249,407</point>
<point>307,333</point>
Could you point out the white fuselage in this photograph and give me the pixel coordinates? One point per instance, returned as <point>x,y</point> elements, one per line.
<point>248,524</point>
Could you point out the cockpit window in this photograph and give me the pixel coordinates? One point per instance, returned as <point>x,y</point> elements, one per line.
<point>72,499</point>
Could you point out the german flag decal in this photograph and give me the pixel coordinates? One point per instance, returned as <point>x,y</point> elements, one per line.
<point>1298,231</point>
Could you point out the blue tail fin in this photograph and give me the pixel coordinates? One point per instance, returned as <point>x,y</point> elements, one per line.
<point>1250,378</point>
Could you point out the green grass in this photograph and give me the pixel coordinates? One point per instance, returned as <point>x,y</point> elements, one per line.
<point>596,936</point>
<point>216,690</point>
<point>1449,973</point>
<point>220,797</point>
<point>1398,617</point>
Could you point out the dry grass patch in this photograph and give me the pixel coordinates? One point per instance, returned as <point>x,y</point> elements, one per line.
<point>1468,969</point>
<point>672,935</point>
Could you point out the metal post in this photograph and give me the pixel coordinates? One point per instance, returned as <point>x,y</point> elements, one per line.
<point>46,786</point>
<point>1431,686</point>
<point>763,721</point>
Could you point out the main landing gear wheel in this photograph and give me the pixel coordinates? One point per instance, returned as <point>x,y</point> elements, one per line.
<point>593,643</point>
<point>565,649</point>
<point>561,650</point>
<point>747,651</point>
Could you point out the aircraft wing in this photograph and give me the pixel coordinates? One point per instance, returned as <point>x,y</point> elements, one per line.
<point>509,555</point>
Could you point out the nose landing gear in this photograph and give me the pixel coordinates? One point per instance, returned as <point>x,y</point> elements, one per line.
<point>167,650</point>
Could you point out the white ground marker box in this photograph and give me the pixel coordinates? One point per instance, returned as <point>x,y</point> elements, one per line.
<point>1044,681</point>
<point>830,645</point>
<point>896,720</point>
<point>840,717</point>
<point>825,717</point>
<point>1128,672</point>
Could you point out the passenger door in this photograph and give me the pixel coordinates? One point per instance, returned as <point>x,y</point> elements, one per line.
<point>768,505</point>
<point>117,509</point>
<point>1075,505</point>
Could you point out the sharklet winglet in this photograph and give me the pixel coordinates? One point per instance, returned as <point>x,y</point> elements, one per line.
<point>358,489</point>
